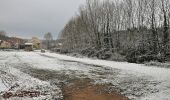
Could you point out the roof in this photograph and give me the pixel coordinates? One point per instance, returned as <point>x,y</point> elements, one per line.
<point>28,44</point>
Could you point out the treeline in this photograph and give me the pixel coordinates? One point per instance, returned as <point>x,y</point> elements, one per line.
<point>3,35</point>
<point>137,30</point>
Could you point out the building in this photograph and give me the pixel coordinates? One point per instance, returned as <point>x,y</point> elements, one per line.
<point>5,45</point>
<point>16,42</point>
<point>36,43</point>
<point>28,46</point>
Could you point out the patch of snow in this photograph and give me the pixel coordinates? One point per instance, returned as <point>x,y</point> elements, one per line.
<point>157,73</point>
<point>13,80</point>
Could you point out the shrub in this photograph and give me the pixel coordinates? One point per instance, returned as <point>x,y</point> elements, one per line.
<point>135,56</point>
<point>132,56</point>
<point>158,64</point>
<point>117,57</point>
<point>146,58</point>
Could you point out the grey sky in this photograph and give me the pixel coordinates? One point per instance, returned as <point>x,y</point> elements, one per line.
<point>27,18</point>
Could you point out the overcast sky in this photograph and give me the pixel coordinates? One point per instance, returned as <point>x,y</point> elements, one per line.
<point>27,18</point>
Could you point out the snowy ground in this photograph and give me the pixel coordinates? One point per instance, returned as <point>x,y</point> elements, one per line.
<point>44,72</point>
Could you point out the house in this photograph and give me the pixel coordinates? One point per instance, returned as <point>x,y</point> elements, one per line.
<point>0,42</point>
<point>36,43</point>
<point>5,44</point>
<point>28,46</point>
<point>11,42</point>
<point>16,42</point>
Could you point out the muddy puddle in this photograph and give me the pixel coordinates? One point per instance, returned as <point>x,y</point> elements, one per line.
<point>85,90</point>
<point>75,87</point>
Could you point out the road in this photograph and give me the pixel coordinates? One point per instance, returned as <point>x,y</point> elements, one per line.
<point>54,76</point>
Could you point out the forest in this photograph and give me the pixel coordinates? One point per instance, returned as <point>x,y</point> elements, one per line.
<point>123,30</point>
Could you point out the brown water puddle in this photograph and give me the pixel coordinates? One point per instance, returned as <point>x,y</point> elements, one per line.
<point>84,90</point>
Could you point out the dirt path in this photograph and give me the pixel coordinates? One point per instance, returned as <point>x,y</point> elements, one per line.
<point>69,74</point>
<point>80,81</point>
<point>76,88</point>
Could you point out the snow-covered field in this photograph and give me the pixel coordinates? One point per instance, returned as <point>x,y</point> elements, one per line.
<point>12,80</point>
<point>135,81</point>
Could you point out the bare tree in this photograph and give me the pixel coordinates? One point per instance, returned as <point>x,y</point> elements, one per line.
<point>3,33</point>
<point>154,36</point>
<point>48,39</point>
<point>92,7</point>
<point>165,10</point>
<point>137,25</point>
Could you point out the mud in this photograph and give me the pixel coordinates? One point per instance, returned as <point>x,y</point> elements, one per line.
<point>85,90</point>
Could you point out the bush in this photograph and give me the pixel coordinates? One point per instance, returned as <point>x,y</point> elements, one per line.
<point>64,51</point>
<point>158,64</point>
<point>106,54</point>
<point>132,55</point>
<point>103,53</point>
<point>146,58</point>
<point>153,63</point>
<point>135,56</point>
<point>117,57</point>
